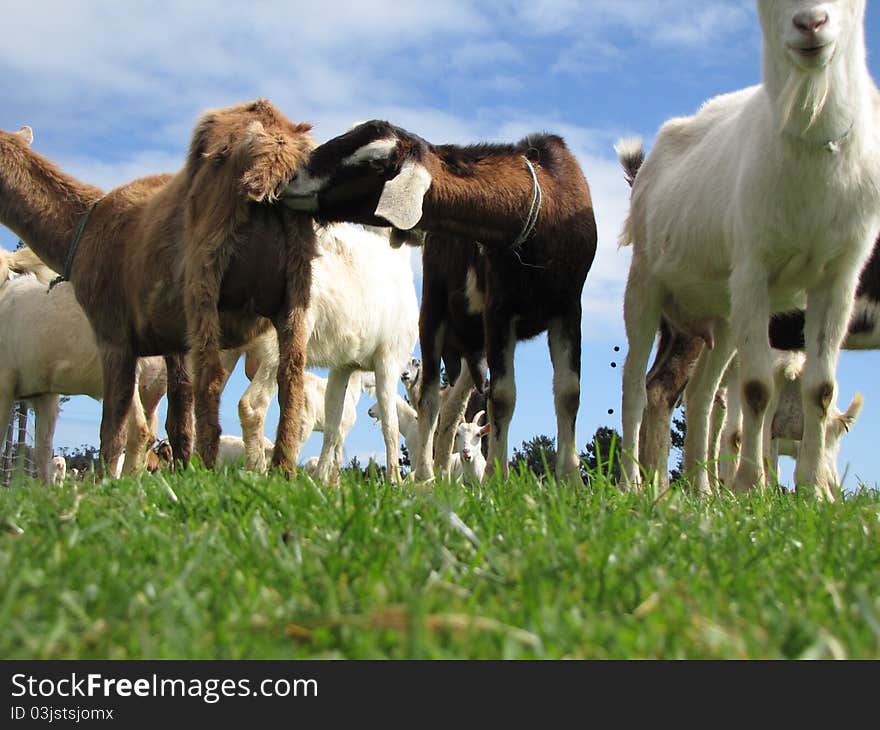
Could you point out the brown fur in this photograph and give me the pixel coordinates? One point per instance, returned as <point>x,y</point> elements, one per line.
<point>168,263</point>
<point>474,211</point>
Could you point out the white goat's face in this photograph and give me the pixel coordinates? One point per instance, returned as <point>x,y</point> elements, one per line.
<point>467,441</point>
<point>808,31</point>
<point>410,373</point>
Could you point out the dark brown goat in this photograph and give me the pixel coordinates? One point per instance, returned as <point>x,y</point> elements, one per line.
<point>511,237</point>
<point>168,263</point>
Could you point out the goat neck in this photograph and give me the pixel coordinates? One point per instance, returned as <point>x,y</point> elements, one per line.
<point>38,202</point>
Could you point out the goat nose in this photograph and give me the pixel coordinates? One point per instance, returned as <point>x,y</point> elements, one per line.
<point>810,21</point>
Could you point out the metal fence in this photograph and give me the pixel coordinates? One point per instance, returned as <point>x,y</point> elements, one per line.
<point>17,454</point>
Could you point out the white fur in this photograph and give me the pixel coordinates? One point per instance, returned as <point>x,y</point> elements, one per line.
<point>764,195</point>
<point>47,348</point>
<point>232,450</point>
<point>783,432</point>
<point>407,419</point>
<point>363,315</point>
<point>469,449</point>
<point>59,470</point>
<point>378,149</point>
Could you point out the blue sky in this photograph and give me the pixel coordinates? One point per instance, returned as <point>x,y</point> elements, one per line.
<point>113,91</point>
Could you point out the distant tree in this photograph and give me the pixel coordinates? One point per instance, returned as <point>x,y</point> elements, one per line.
<point>85,457</point>
<point>602,450</point>
<point>371,471</point>
<point>534,454</point>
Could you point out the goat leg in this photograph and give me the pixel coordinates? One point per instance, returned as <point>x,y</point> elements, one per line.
<point>179,419</point>
<point>118,367</point>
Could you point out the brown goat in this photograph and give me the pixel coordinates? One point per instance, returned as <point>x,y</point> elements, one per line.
<point>511,234</point>
<point>171,263</point>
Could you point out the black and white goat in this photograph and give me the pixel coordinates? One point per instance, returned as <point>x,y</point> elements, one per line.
<point>510,238</point>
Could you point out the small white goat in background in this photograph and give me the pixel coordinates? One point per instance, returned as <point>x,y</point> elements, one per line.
<point>408,422</point>
<point>468,462</point>
<point>59,470</point>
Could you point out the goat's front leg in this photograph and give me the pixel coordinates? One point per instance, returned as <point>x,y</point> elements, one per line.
<point>828,310</point>
<point>564,340</point>
<point>45,417</point>
<point>673,366</point>
<point>334,405</point>
<point>750,313</point>
<point>179,418</point>
<point>292,344</point>
<point>386,395</point>
<point>699,397</point>
<point>118,366</point>
<point>500,331</point>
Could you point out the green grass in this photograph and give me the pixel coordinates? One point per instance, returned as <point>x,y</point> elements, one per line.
<point>233,565</point>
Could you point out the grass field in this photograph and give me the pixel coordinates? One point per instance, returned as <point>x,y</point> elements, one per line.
<point>234,565</point>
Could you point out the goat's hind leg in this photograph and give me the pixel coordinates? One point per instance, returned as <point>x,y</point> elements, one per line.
<point>451,413</point>
<point>500,332</point>
<point>641,311</point>
<point>564,340</point>
<point>334,405</point>
<point>673,366</point>
<point>386,395</point>
<point>750,313</point>
<point>699,398</point>
<point>45,417</point>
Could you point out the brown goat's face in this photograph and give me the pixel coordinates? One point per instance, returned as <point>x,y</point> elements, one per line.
<point>372,174</point>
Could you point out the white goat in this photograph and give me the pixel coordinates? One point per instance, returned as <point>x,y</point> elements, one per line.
<point>470,464</point>
<point>764,195</point>
<point>408,422</point>
<point>783,431</point>
<point>232,450</point>
<point>363,315</point>
<point>59,470</point>
<point>48,348</point>
<point>411,376</point>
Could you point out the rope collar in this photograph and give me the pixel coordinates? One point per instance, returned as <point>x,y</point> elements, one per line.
<point>832,146</point>
<point>534,209</point>
<point>74,245</point>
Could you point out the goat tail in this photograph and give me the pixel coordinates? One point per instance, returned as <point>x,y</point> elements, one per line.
<point>631,154</point>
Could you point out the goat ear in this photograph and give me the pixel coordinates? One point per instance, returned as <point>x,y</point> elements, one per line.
<point>402,196</point>
<point>27,134</point>
<point>485,429</point>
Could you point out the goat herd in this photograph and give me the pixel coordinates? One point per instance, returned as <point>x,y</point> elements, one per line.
<point>750,223</point>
